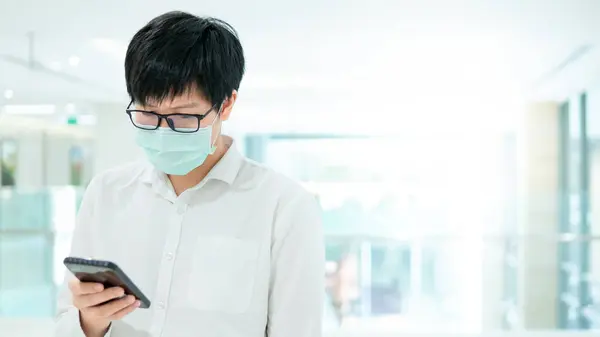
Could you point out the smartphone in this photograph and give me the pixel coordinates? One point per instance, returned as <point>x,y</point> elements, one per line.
<point>106,273</point>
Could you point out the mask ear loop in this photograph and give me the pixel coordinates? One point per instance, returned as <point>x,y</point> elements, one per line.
<point>213,146</point>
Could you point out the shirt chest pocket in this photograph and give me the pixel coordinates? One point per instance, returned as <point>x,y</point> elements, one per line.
<point>223,274</point>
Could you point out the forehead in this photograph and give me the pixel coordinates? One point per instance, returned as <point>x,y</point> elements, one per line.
<point>189,99</point>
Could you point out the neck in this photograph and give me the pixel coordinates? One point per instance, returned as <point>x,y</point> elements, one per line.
<point>182,183</point>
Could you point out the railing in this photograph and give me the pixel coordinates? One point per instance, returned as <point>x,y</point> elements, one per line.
<point>44,328</point>
<point>464,283</point>
<point>531,266</point>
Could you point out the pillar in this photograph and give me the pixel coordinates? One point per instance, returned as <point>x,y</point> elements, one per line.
<point>538,219</point>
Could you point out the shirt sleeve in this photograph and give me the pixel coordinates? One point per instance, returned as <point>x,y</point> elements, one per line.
<point>297,285</point>
<point>67,317</point>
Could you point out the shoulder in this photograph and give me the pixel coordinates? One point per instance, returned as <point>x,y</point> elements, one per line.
<point>267,179</point>
<point>296,217</point>
<point>118,177</point>
<point>287,193</point>
<point>107,187</point>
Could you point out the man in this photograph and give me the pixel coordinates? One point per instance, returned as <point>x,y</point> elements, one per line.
<point>222,245</point>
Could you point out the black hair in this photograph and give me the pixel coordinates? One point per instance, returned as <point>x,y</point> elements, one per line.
<point>177,51</point>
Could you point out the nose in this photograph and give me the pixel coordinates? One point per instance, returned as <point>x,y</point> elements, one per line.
<point>163,123</point>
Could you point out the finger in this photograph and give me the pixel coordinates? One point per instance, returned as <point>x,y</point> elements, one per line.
<point>111,308</point>
<point>90,300</point>
<point>124,312</point>
<point>83,288</point>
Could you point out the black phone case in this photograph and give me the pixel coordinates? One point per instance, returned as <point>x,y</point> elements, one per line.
<point>106,273</point>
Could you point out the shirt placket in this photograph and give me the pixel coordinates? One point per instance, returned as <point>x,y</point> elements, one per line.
<point>165,273</point>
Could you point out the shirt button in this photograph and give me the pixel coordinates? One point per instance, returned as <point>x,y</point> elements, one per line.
<point>169,256</point>
<point>160,305</point>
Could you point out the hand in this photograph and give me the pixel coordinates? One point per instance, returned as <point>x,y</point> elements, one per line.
<point>95,317</point>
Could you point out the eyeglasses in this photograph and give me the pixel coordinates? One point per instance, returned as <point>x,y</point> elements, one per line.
<point>150,120</point>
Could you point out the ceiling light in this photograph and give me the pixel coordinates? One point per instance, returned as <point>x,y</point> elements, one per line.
<point>74,61</point>
<point>8,94</point>
<point>42,109</point>
<point>56,66</point>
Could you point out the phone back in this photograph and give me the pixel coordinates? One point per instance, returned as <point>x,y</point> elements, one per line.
<point>106,273</point>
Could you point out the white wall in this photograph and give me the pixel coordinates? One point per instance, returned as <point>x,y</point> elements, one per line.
<point>30,159</point>
<point>57,157</point>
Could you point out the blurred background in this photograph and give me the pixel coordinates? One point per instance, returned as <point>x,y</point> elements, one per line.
<point>454,146</point>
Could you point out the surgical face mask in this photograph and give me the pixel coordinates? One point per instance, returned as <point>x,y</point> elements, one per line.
<point>176,153</point>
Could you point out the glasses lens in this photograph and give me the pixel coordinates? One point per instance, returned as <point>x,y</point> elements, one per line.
<point>144,120</point>
<point>184,123</point>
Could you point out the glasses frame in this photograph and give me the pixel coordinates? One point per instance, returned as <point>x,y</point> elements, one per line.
<point>169,122</point>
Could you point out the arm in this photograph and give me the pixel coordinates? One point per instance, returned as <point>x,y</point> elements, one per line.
<point>67,323</point>
<point>297,285</point>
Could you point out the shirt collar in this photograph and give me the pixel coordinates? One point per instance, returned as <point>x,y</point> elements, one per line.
<point>226,169</point>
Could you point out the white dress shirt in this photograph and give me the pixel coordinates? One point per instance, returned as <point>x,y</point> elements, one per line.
<point>239,255</point>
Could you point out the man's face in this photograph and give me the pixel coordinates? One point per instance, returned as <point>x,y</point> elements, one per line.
<point>190,104</point>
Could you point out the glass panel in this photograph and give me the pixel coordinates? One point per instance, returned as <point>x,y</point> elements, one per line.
<point>583,309</point>
<point>574,256</point>
<point>35,233</point>
<point>26,288</point>
<point>593,277</point>
<point>24,210</point>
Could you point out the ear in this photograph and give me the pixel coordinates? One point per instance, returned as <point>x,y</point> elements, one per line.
<point>228,106</point>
